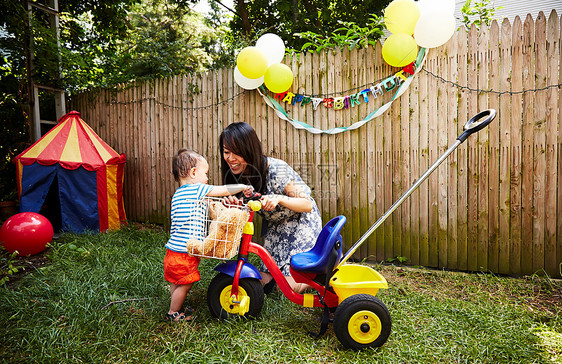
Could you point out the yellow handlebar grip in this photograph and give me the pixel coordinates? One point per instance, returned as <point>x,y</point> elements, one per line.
<point>255,205</point>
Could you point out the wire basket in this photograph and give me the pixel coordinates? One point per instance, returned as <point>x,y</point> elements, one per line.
<point>214,230</point>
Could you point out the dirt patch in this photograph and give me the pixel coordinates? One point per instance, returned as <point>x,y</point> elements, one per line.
<point>24,265</point>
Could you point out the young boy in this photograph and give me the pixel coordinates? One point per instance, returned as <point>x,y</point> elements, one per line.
<point>180,269</point>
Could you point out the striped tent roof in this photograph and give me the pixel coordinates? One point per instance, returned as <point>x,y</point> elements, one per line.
<point>72,143</point>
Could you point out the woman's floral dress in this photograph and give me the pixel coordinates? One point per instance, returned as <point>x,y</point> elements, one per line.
<point>287,232</point>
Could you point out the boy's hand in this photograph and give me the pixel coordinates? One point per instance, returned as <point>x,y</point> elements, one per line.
<point>248,190</point>
<point>231,200</point>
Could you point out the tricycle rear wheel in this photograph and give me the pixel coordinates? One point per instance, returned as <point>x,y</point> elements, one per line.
<point>362,321</point>
<point>218,296</point>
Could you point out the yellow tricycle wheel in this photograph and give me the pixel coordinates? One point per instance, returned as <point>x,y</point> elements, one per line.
<point>222,305</point>
<point>362,321</point>
<point>364,327</point>
<point>236,305</point>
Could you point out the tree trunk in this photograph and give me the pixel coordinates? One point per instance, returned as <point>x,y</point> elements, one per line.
<point>243,13</point>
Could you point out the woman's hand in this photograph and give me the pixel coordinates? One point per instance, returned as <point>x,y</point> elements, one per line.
<point>269,202</point>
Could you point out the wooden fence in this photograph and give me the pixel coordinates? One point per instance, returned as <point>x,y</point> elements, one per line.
<point>494,205</point>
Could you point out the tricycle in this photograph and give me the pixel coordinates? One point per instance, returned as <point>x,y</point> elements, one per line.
<point>347,292</point>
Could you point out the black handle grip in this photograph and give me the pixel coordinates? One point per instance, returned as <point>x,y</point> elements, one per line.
<point>253,197</point>
<point>477,123</point>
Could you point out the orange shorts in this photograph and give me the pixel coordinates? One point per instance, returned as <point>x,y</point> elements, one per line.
<point>181,268</point>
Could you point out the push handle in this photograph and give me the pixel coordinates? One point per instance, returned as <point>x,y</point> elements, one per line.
<point>477,123</point>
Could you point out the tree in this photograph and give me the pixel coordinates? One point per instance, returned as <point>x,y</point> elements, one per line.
<point>288,18</point>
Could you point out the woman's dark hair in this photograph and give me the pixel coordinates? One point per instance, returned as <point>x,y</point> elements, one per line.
<point>241,139</point>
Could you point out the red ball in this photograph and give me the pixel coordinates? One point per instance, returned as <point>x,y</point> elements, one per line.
<point>27,232</point>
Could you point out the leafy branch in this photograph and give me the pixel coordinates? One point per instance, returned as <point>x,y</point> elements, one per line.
<point>349,34</point>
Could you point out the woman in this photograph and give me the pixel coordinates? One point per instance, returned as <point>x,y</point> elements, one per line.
<point>291,220</point>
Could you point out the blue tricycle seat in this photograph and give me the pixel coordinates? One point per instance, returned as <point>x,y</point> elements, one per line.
<point>317,259</point>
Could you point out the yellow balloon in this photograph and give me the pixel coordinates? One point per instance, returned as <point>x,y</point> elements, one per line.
<point>252,62</point>
<point>278,78</point>
<point>399,50</point>
<point>401,16</point>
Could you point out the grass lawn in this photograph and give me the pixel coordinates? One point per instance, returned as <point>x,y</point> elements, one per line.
<point>67,310</point>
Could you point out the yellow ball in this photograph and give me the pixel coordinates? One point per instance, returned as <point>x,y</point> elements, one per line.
<point>401,16</point>
<point>252,62</point>
<point>399,50</point>
<point>278,78</point>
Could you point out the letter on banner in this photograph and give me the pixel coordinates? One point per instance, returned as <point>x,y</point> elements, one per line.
<point>280,96</point>
<point>289,97</point>
<point>376,89</point>
<point>389,83</point>
<point>401,75</point>
<point>316,101</point>
<point>354,99</point>
<point>364,93</point>
<point>338,103</point>
<point>298,98</point>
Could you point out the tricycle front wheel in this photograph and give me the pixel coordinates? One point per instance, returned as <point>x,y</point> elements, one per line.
<point>220,302</point>
<point>362,321</point>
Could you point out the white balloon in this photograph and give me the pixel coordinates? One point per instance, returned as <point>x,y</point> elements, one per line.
<point>273,46</point>
<point>434,29</point>
<point>245,82</point>
<point>435,5</point>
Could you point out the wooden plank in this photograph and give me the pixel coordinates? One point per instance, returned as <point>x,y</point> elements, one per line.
<point>529,59</point>
<point>152,93</point>
<point>552,96</point>
<point>462,162</point>
<point>387,169</point>
<point>166,126</point>
<point>433,154</point>
<point>452,126</point>
<point>504,114</point>
<point>539,140</point>
<point>442,172</point>
<point>493,149</point>
<point>354,147</point>
<point>214,109</point>
<point>472,172</point>
<point>559,183</point>
<point>330,166</point>
<point>406,105</point>
<point>379,160</point>
<point>144,152</point>
<point>131,170</point>
<point>363,65</point>
<point>303,166</point>
<point>515,170</point>
<point>346,148</point>
<point>396,175</point>
<point>414,153</point>
<point>371,160</point>
<point>483,152</point>
<point>423,163</point>
<point>319,146</point>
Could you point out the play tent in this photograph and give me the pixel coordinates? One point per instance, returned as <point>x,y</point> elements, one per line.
<point>75,176</point>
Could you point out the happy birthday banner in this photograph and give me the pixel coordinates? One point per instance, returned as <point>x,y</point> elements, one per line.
<point>338,103</point>
<point>345,102</point>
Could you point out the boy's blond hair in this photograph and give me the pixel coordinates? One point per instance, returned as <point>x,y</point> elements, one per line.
<point>183,161</point>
